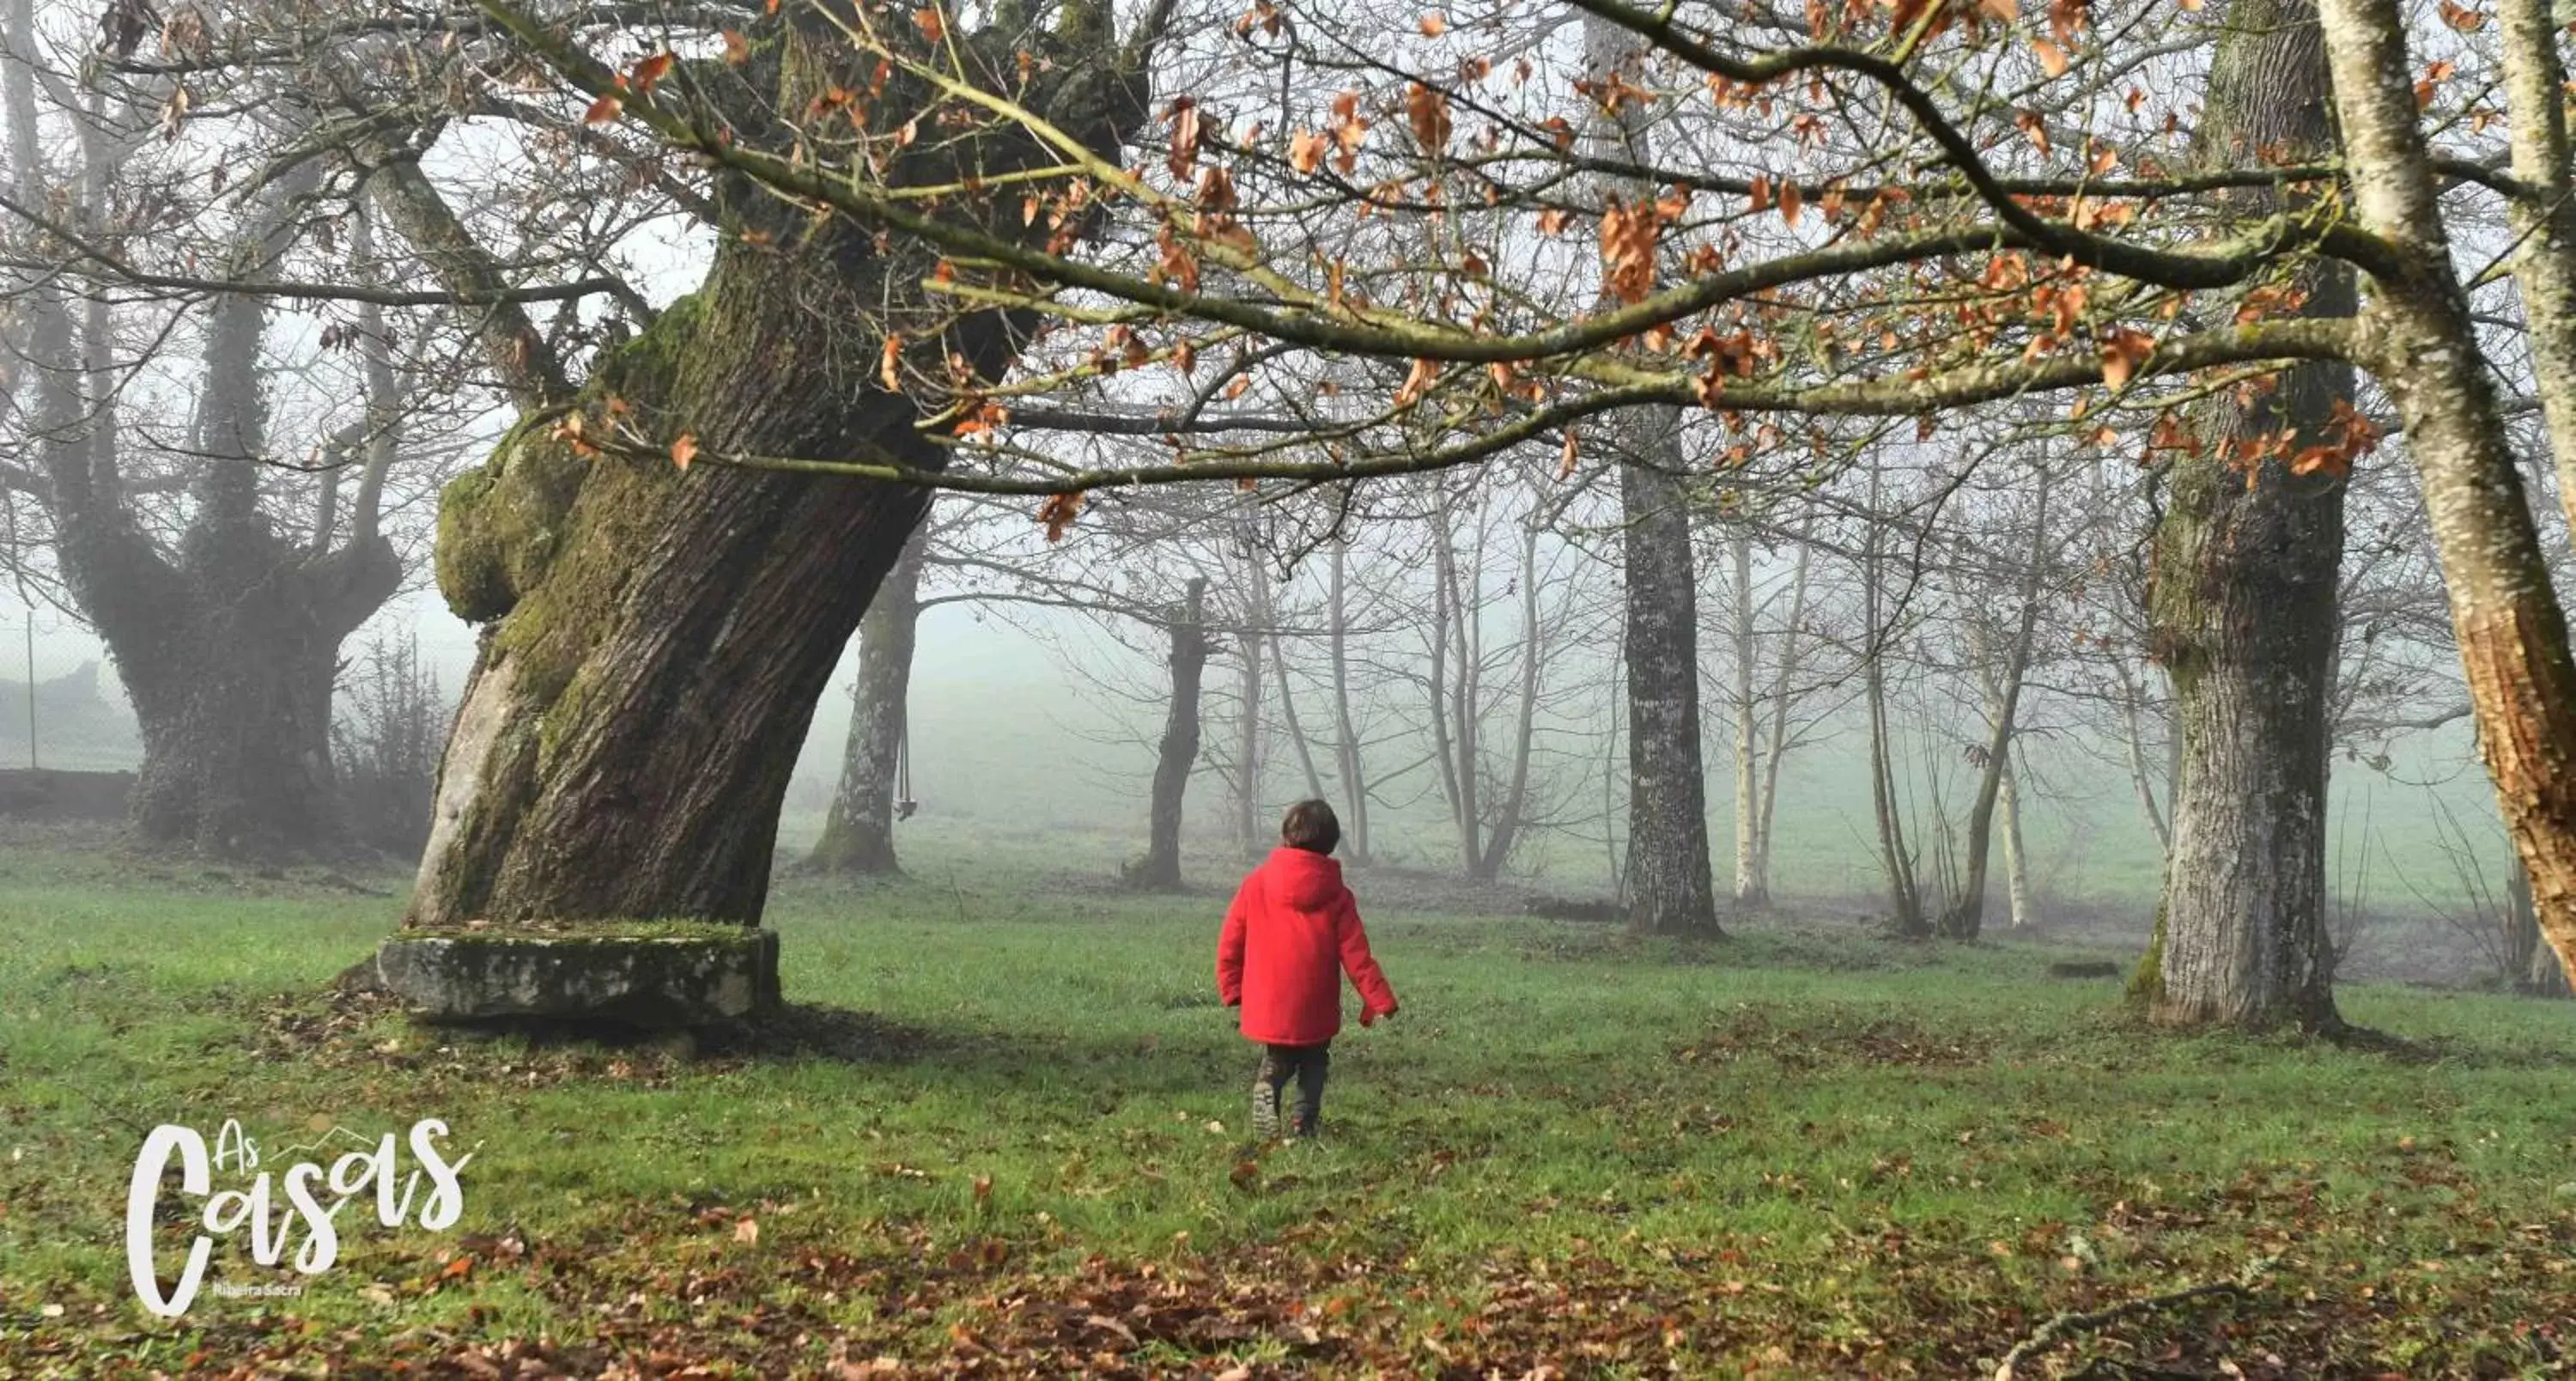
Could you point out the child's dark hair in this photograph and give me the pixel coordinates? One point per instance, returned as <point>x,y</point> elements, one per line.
<point>1312,826</point>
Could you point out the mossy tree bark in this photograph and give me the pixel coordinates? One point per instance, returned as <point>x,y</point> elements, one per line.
<point>858,836</point>
<point>2242,610</point>
<point>1672,889</point>
<point>657,639</point>
<point>1670,884</point>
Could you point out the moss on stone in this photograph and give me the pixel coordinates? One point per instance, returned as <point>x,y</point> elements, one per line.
<point>656,974</point>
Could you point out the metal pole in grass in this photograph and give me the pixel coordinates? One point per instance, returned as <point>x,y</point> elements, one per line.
<point>31,688</point>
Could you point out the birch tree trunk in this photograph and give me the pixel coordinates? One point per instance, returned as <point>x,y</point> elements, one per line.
<point>2422,344</point>
<point>2242,610</point>
<point>2544,220</point>
<point>1752,887</point>
<point>858,836</point>
<point>2019,892</point>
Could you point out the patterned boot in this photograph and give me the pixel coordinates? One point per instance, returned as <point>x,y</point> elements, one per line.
<point>1265,1102</point>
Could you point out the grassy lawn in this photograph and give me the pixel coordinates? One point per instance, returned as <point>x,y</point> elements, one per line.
<point>1003,1136</point>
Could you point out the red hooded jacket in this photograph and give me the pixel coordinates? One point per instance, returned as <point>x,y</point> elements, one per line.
<point>1291,933</point>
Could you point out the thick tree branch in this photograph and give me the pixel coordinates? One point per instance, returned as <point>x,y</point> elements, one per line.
<point>2330,339</point>
<point>2164,268</point>
<point>416,210</point>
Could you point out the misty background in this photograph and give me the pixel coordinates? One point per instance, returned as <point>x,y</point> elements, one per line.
<point>1019,741</point>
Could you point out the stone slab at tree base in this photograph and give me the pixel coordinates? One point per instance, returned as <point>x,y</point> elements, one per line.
<point>650,977</point>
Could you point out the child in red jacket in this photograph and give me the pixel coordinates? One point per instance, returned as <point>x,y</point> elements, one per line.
<point>1291,933</point>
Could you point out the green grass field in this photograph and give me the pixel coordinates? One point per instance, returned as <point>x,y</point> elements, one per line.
<point>1002,1136</point>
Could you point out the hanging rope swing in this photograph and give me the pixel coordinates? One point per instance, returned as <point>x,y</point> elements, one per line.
<point>904,805</point>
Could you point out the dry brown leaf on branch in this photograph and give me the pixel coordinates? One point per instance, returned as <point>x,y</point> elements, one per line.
<point>1306,151</point>
<point>1184,119</point>
<point>1058,513</point>
<point>684,450</point>
<point>1628,248</point>
<point>1417,383</point>
<point>1427,111</point>
<point>2123,350</point>
<point>650,72</point>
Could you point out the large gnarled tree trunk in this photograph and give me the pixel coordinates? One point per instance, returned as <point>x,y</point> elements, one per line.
<point>858,836</point>
<point>227,639</point>
<point>2243,609</point>
<point>658,639</point>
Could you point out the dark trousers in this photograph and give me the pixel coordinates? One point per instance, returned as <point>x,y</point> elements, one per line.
<point>1307,1064</point>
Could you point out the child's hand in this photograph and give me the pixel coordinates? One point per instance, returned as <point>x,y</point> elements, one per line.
<point>1371,1015</point>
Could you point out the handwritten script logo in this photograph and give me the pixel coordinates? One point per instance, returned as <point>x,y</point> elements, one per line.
<point>314,1198</point>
